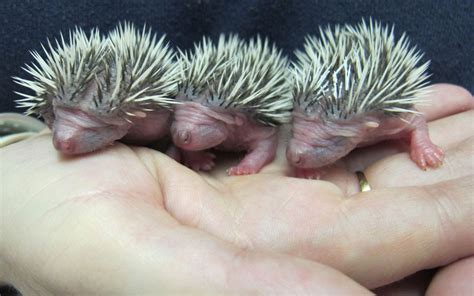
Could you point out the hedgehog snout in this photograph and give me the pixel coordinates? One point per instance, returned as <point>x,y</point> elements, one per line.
<point>180,134</point>
<point>293,153</point>
<point>182,138</point>
<point>293,156</point>
<point>296,153</point>
<point>68,140</point>
<point>65,145</point>
<point>197,137</point>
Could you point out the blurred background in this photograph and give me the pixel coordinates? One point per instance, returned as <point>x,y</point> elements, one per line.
<point>441,29</point>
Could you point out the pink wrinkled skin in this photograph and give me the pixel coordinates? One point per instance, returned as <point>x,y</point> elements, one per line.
<point>316,143</point>
<point>77,132</point>
<point>197,128</point>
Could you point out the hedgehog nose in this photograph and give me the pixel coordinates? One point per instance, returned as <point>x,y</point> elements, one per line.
<point>293,156</point>
<point>65,145</point>
<point>184,137</point>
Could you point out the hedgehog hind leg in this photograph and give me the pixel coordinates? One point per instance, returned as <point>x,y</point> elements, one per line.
<point>422,150</point>
<point>263,153</point>
<point>198,160</point>
<point>174,152</point>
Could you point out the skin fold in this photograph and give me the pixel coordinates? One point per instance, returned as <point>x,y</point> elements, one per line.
<point>76,131</point>
<point>197,128</point>
<point>143,223</point>
<point>82,125</point>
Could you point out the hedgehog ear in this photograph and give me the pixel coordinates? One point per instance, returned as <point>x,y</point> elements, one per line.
<point>139,114</point>
<point>371,124</point>
<point>227,118</point>
<point>238,120</point>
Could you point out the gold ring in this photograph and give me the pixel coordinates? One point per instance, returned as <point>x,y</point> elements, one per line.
<point>363,183</point>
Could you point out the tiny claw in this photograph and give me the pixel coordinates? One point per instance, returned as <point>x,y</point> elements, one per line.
<point>207,167</point>
<point>240,170</point>
<point>232,171</point>
<point>431,156</point>
<point>199,161</point>
<point>436,159</point>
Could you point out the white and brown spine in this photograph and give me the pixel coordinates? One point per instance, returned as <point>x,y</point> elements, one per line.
<point>354,85</point>
<point>119,86</point>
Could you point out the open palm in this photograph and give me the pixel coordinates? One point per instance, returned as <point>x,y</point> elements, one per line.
<point>132,220</point>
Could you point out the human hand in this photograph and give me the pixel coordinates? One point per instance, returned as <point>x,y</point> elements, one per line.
<point>131,219</point>
<point>99,224</point>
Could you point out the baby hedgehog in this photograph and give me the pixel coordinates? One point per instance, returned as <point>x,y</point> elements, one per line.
<point>92,91</point>
<point>235,95</point>
<point>354,86</point>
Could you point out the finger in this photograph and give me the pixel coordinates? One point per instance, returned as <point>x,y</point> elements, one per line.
<point>449,131</point>
<point>445,100</point>
<point>384,235</point>
<point>193,261</point>
<point>119,242</point>
<point>260,212</point>
<point>415,284</point>
<point>36,163</point>
<point>226,207</point>
<point>407,228</point>
<point>454,279</point>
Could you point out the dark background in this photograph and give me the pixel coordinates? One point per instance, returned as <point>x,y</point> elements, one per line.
<point>442,29</point>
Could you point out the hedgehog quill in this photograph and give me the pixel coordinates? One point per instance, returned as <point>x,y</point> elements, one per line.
<point>234,95</point>
<point>92,91</point>
<point>354,86</point>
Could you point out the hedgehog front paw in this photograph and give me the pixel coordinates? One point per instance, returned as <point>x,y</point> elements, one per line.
<point>199,160</point>
<point>427,156</point>
<point>242,170</point>
<point>308,173</point>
